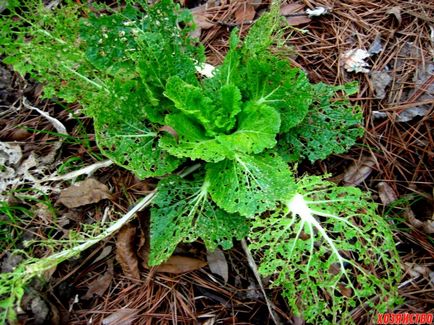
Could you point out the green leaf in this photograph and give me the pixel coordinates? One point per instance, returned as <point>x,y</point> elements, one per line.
<point>216,113</point>
<point>329,250</point>
<point>183,212</point>
<point>228,105</point>
<point>110,39</point>
<point>249,184</point>
<point>332,126</point>
<point>126,138</point>
<point>267,30</point>
<point>256,131</point>
<point>191,141</point>
<point>272,81</point>
<point>192,102</point>
<point>257,128</point>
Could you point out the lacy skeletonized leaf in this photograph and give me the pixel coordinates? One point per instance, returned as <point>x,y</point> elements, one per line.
<point>124,136</point>
<point>256,130</point>
<point>331,126</point>
<point>184,211</point>
<point>249,184</point>
<point>272,81</point>
<point>44,43</point>
<point>330,252</point>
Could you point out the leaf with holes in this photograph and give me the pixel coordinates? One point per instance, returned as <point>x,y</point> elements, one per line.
<point>321,245</point>
<point>332,126</point>
<point>184,211</point>
<point>127,138</point>
<point>249,184</point>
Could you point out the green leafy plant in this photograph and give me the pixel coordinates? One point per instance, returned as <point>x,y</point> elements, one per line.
<point>134,71</point>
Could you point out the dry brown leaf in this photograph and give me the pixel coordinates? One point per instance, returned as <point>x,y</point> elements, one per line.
<point>83,193</point>
<point>100,284</point>
<point>124,316</point>
<point>291,8</point>
<point>294,8</point>
<point>245,13</point>
<point>386,193</point>
<point>359,171</point>
<point>180,264</point>
<point>200,17</point>
<point>416,270</point>
<point>345,291</point>
<point>104,253</point>
<point>218,264</point>
<point>427,226</point>
<point>126,253</point>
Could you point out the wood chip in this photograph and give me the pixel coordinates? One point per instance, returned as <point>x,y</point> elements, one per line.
<point>83,193</point>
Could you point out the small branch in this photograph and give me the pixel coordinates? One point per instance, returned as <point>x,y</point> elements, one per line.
<point>55,122</point>
<point>250,22</point>
<point>88,170</point>
<point>254,269</point>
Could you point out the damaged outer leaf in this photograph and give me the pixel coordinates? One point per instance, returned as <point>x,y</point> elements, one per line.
<point>331,126</point>
<point>184,211</point>
<point>249,185</point>
<point>126,252</point>
<point>344,234</point>
<point>82,193</point>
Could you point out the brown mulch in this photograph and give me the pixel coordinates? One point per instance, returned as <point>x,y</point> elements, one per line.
<point>402,151</point>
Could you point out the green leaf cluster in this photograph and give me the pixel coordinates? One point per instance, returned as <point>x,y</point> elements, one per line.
<point>134,71</point>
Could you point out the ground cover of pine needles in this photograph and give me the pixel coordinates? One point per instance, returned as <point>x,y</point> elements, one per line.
<point>393,160</point>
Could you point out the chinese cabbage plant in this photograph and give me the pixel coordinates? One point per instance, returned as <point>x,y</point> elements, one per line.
<point>133,70</point>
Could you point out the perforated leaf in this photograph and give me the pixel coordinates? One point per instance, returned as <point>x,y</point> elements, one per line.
<point>249,184</point>
<point>329,250</point>
<point>43,43</point>
<point>332,126</point>
<point>126,137</point>
<point>184,211</point>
